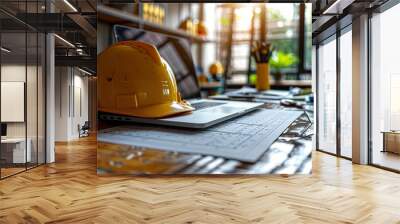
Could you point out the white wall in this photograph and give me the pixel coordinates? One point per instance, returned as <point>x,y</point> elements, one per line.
<point>12,73</point>
<point>33,126</point>
<point>71,87</point>
<point>61,103</point>
<point>81,102</point>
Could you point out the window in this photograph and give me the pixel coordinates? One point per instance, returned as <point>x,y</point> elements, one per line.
<point>327,96</point>
<point>385,88</point>
<point>346,93</point>
<point>282,31</point>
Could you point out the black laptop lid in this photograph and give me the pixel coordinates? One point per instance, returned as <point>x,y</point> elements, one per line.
<point>176,51</point>
<point>3,129</point>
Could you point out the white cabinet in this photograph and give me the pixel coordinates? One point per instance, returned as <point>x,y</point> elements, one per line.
<point>17,147</point>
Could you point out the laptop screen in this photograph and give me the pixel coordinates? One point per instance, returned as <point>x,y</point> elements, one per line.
<point>3,129</point>
<point>176,51</point>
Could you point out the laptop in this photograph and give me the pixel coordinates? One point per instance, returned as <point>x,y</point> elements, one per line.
<point>176,51</point>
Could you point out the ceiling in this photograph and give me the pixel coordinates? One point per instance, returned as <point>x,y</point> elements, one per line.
<point>72,20</point>
<point>330,13</point>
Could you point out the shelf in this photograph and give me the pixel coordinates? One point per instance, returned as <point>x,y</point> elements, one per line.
<point>211,85</point>
<point>288,83</point>
<point>281,84</point>
<point>116,16</point>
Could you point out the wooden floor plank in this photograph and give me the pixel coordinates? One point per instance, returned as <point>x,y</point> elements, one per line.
<point>69,191</point>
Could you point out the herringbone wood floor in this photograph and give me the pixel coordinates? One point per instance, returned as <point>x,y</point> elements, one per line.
<point>70,192</point>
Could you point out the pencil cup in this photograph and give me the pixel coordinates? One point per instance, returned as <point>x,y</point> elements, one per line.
<point>262,77</point>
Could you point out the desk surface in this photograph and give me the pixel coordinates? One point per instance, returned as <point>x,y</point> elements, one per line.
<point>289,154</point>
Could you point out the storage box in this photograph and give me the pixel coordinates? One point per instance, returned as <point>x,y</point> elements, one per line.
<point>391,141</point>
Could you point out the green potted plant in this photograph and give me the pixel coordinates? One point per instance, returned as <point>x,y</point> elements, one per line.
<point>280,60</point>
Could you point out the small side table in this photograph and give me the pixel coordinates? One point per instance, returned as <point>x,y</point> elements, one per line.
<point>391,141</point>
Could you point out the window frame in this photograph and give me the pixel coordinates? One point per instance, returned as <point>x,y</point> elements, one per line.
<point>27,29</point>
<point>380,9</point>
<point>325,38</point>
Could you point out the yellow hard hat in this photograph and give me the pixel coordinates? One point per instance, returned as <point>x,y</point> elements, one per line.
<point>134,80</point>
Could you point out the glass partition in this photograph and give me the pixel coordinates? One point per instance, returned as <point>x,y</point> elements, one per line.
<point>14,144</point>
<point>22,88</point>
<point>346,93</point>
<point>35,89</point>
<point>327,96</point>
<point>41,96</point>
<point>31,100</point>
<point>308,38</point>
<point>385,89</point>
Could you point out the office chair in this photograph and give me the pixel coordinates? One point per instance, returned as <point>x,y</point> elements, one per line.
<point>84,130</point>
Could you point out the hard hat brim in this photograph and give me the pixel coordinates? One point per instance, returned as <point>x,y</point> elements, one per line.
<point>154,111</point>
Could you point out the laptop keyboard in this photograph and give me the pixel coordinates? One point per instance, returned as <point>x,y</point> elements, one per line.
<point>206,104</point>
<point>245,138</point>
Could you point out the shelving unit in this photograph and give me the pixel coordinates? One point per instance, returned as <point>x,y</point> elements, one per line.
<point>111,15</point>
<point>284,84</point>
<point>116,16</point>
